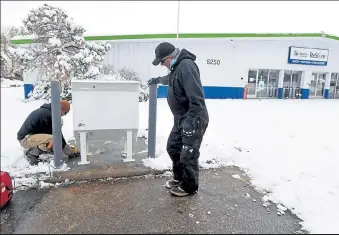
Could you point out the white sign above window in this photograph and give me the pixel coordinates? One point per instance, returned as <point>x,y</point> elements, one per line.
<point>308,56</point>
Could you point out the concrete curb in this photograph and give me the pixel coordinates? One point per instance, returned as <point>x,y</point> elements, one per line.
<point>100,173</point>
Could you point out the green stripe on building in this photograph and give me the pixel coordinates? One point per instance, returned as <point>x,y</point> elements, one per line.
<point>188,35</point>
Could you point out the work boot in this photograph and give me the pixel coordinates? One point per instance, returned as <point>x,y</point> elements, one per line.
<point>50,152</point>
<point>172,183</point>
<point>179,192</point>
<point>32,155</point>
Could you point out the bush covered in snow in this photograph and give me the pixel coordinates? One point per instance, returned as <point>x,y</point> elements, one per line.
<point>108,73</point>
<point>128,74</point>
<point>60,51</point>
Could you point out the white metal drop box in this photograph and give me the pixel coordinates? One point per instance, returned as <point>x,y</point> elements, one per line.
<point>100,105</point>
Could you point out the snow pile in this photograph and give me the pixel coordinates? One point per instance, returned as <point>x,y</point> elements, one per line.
<point>5,83</point>
<point>287,147</point>
<point>281,209</point>
<point>27,176</point>
<point>13,114</point>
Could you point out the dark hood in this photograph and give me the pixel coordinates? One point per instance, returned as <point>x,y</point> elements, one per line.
<point>46,106</point>
<point>184,54</point>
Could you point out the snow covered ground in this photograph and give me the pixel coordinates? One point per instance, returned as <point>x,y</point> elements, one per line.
<point>5,83</point>
<point>287,147</point>
<point>13,114</point>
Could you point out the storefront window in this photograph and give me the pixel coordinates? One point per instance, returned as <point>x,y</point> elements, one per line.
<point>334,79</point>
<point>334,86</point>
<point>252,83</point>
<point>274,78</point>
<point>270,79</point>
<point>317,84</point>
<point>263,75</point>
<point>287,77</point>
<point>296,78</point>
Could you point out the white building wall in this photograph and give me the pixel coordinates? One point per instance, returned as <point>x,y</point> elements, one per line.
<point>138,56</point>
<point>219,53</point>
<point>134,55</point>
<point>236,57</point>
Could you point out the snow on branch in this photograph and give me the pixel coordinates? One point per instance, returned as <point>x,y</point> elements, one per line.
<point>61,51</point>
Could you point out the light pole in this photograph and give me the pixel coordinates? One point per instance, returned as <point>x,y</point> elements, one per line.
<point>178,19</point>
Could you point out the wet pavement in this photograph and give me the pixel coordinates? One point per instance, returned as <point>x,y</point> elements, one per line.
<point>19,207</point>
<point>144,205</point>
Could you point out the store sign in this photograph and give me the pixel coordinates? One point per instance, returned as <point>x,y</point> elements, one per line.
<point>308,56</point>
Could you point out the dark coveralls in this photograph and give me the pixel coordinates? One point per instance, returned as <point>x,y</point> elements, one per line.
<point>187,103</point>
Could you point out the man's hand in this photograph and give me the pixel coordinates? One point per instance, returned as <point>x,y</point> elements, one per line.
<point>76,152</point>
<point>71,151</point>
<point>153,81</point>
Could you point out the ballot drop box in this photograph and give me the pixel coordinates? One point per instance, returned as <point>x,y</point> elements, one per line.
<point>106,106</point>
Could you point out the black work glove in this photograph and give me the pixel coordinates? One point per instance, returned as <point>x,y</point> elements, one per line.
<point>153,81</point>
<point>74,155</point>
<point>71,151</point>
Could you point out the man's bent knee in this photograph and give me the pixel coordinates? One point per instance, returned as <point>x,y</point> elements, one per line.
<point>43,141</point>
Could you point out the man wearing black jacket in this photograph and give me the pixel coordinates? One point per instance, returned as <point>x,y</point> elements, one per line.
<point>36,133</point>
<point>187,103</point>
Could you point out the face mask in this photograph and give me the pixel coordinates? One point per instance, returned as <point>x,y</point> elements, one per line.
<point>172,62</point>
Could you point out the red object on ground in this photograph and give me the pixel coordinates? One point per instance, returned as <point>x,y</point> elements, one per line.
<point>6,188</point>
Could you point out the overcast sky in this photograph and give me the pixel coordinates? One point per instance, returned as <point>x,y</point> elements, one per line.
<point>113,17</point>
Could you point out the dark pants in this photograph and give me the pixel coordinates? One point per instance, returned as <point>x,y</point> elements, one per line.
<point>184,152</point>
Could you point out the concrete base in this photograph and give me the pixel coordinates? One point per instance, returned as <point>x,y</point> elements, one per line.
<point>106,159</point>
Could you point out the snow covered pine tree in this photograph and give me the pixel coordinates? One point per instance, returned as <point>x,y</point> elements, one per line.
<point>59,52</point>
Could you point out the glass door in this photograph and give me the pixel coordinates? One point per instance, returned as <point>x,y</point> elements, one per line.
<point>336,93</point>
<point>334,86</point>
<point>272,85</point>
<point>321,84</point>
<point>296,82</point>
<point>291,84</point>
<point>287,83</point>
<point>313,84</point>
<point>270,80</point>
<point>252,83</point>
<point>317,85</point>
<point>263,76</point>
